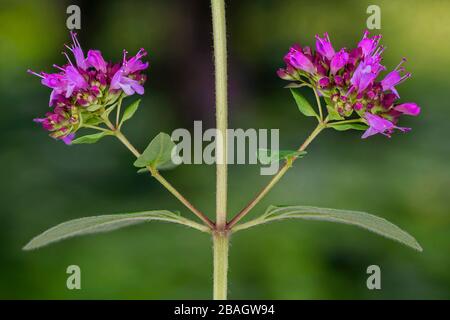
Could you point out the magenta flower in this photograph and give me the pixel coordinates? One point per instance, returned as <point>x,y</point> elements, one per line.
<point>128,85</point>
<point>324,47</point>
<point>368,45</point>
<point>339,61</point>
<point>74,81</point>
<point>55,81</point>
<point>95,60</point>
<point>77,52</point>
<point>298,60</point>
<point>348,80</point>
<point>85,90</point>
<point>395,78</point>
<point>324,82</point>
<point>60,122</point>
<point>366,72</point>
<point>378,124</point>
<point>408,108</point>
<point>135,64</point>
<point>125,78</point>
<point>68,139</point>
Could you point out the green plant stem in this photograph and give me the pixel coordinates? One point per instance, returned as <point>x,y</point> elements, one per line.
<point>119,107</point>
<point>275,179</point>
<point>319,104</point>
<point>220,241</point>
<point>220,55</point>
<point>164,182</point>
<point>220,238</point>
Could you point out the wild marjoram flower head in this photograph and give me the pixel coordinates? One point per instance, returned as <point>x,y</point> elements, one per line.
<point>87,91</point>
<point>84,90</point>
<point>347,79</point>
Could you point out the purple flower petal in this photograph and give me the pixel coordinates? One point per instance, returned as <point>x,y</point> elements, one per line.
<point>68,139</point>
<point>95,59</point>
<point>408,108</point>
<point>324,47</point>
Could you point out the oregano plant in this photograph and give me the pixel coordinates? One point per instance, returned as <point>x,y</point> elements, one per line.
<point>90,93</point>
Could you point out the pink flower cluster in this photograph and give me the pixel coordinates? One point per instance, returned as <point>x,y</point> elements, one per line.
<point>84,90</point>
<point>347,79</point>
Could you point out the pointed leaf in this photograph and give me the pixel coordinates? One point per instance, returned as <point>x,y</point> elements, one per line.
<point>303,105</point>
<point>360,219</point>
<point>90,139</point>
<point>266,156</point>
<point>101,224</point>
<point>158,153</point>
<point>108,111</point>
<point>130,111</point>
<point>93,121</point>
<point>143,170</point>
<point>94,107</point>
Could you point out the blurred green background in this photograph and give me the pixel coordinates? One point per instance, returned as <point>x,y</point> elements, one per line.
<point>405,179</point>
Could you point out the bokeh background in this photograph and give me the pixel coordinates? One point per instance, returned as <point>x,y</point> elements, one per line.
<point>405,179</point>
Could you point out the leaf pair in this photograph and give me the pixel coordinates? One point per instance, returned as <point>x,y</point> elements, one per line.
<point>106,223</point>
<point>100,224</point>
<point>360,219</point>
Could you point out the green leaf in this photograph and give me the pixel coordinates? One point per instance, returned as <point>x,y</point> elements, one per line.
<point>106,223</point>
<point>360,219</point>
<point>266,156</point>
<point>93,121</point>
<point>108,111</point>
<point>94,107</point>
<point>158,153</point>
<point>143,170</point>
<point>349,126</point>
<point>130,111</point>
<point>90,139</point>
<point>303,105</point>
<point>165,167</point>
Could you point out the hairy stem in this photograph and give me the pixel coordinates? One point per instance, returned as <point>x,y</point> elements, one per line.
<point>275,179</point>
<point>220,241</point>
<point>220,55</point>
<point>220,238</point>
<point>165,183</point>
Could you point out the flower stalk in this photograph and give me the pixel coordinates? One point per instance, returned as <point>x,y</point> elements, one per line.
<point>155,173</point>
<point>275,178</point>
